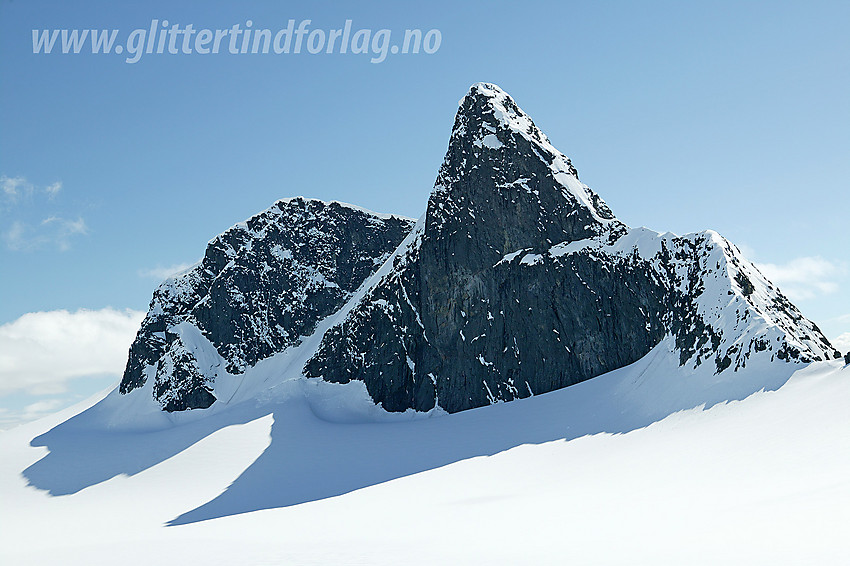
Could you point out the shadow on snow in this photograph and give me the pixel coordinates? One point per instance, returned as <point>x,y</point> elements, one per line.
<point>312,458</point>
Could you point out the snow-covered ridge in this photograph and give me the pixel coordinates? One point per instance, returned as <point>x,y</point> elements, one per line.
<point>517,280</point>
<point>179,283</point>
<point>381,215</point>
<point>261,286</point>
<point>742,311</point>
<point>511,290</point>
<point>282,206</point>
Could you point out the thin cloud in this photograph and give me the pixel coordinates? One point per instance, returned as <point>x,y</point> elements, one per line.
<point>10,418</point>
<point>14,187</point>
<point>841,318</point>
<point>162,273</point>
<point>805,278</point>
<point>53,189</point>
<point>63,229</point>
<point>41,352</point>
<point>53,231</point>
<point>23,224</point>
<point>15,235</point>
<point>746,250</point>
<point>842,342</point>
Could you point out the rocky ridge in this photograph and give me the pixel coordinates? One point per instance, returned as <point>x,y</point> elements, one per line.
<point>261,286</point>
<point>518,280</point>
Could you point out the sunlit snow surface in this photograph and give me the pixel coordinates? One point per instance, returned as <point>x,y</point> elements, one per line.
<point>649,464</point>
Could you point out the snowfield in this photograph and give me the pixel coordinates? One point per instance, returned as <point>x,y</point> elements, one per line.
<point>649,464</point>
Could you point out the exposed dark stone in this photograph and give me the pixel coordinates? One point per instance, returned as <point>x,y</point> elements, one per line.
<point>723,363</point>
<point>745,284</point>
<point>260,286</point>
<point>478,310</point>
<point>518,281</point>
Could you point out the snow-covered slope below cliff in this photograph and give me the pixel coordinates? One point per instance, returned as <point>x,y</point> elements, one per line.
<point>317,475</point>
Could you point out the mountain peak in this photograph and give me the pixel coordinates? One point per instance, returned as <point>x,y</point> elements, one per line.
<point>518,280</point>
<point>490,100</point>
<point>261,286</point>
<point>487,109</point>
<point>501,176</point>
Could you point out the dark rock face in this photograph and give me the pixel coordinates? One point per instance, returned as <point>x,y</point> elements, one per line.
<point>847,358</point>
<point>482,306</point>
<point>512,331</point>
<point>456,323</point>
<point>261,286</point>
<point>518,280</point>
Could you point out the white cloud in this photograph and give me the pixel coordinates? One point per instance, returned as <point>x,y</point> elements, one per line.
<point>54,188</point>
<point>52,231</point>
<point>15,235</point>
<point>842,342</point>
<point>43,406</point>
<point>747,251</point>
<point>23,231</point>
<point>10,418</point>
<point>805,277</point>
<point>14,187</point>
<point>41,352</point>
<point>162,273</point>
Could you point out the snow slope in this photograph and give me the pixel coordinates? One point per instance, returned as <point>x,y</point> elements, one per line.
<point>707,449</point>
<point>680,466</point>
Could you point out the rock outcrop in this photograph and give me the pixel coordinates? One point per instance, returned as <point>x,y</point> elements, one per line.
<point>260,287</point>
<point>518,280</point>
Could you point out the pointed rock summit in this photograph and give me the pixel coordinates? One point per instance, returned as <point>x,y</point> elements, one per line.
<point>503,179</point>
<point>517,280</point>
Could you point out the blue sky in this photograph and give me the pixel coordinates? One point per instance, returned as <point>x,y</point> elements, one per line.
<point>683,116</point>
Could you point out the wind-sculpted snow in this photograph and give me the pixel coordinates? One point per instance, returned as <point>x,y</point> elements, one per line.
<point>261,286</point>
<point>655,447</point>
<point>517,280</point>
<point>329,439</point>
